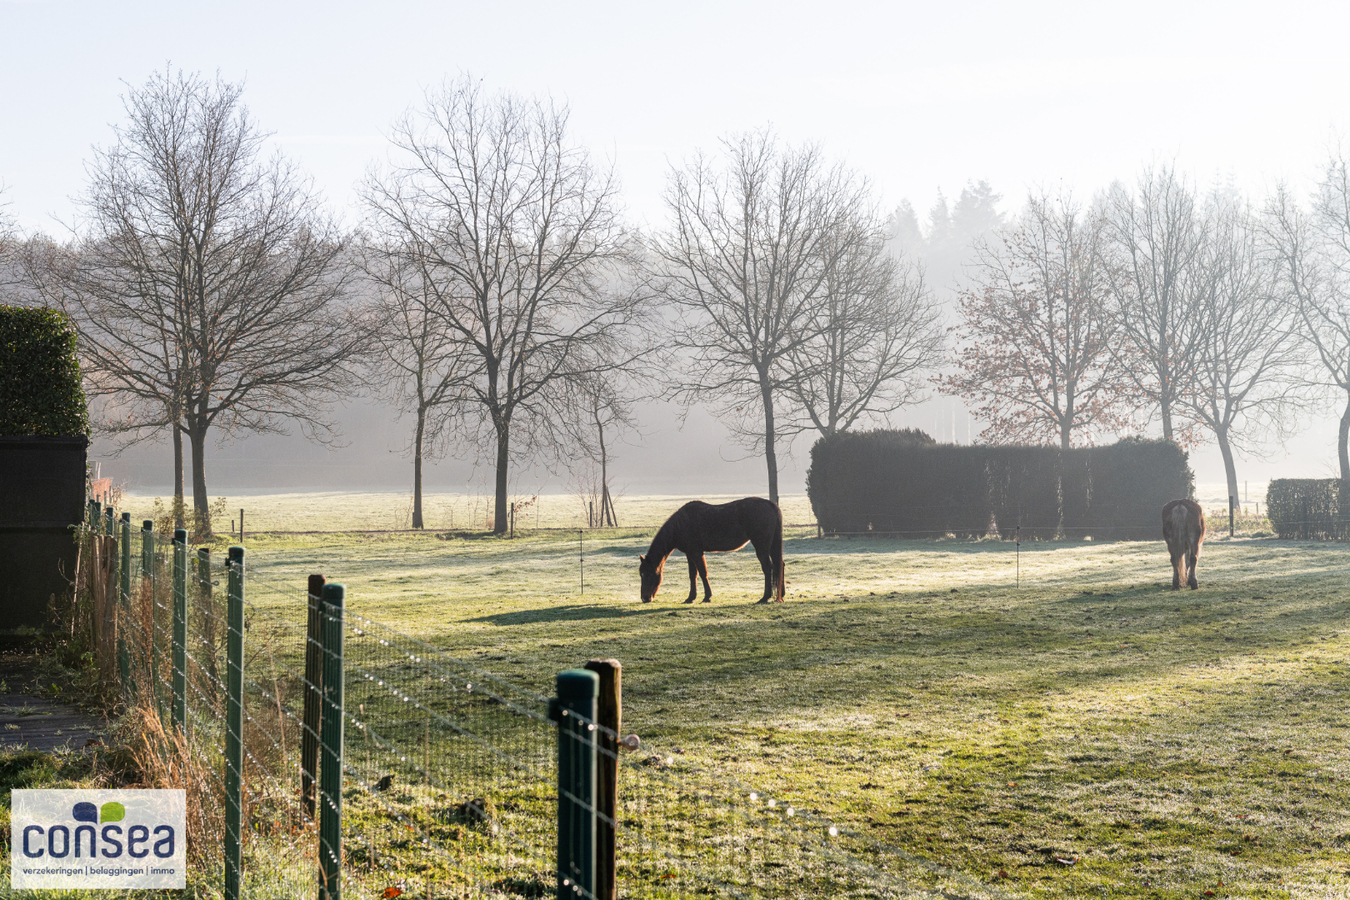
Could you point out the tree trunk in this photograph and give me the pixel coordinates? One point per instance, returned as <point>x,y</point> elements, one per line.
<point>417,468</point>
<point>200,505</point>
<point>770,453</point>
<point>503,458</point>
<point>606,515</point>
<point>178,512</point>
<point>1230,470</point>
<point>1343,441</point>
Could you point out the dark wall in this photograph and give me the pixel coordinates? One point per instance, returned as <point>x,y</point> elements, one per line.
<point>42,484</point>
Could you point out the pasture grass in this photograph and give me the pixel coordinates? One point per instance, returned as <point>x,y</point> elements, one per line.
<point>1088,732</point>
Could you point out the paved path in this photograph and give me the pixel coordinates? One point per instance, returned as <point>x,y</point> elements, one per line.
<point>32,723</point>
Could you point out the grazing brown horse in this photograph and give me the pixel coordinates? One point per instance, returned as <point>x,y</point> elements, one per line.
<point>697,528</point>
<point>1183,525</point>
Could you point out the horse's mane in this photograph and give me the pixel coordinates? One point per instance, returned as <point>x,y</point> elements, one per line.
<point>663,543</point>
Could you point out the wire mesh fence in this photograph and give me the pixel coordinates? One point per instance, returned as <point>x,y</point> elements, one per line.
<point>320,747</point>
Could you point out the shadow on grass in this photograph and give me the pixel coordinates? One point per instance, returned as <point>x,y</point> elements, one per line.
<point>569,613</point>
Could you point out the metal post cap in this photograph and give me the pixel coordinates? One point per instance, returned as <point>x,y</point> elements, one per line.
<point>578,684</point>
<point>334,594</point>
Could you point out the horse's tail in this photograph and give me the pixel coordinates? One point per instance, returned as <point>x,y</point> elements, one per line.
<point>780,564</point>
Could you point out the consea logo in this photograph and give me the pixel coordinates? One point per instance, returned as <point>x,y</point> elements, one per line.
<point>98,839</point>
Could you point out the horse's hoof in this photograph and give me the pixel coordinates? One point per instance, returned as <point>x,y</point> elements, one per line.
<point>762,600</point>
<point>707,599</point>
<point>690,600</point>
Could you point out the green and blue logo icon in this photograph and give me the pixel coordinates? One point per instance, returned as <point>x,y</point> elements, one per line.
<point>97,815</point>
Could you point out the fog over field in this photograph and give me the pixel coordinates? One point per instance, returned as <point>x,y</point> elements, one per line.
<point>953,116</point>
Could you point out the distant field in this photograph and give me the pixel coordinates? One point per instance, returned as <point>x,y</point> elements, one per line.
<point>1089,733</point>
<point>372,511</point>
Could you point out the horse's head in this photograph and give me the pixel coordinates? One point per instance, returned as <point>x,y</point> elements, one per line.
<point>650,570</point>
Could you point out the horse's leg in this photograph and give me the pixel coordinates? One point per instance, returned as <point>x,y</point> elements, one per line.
<point>766,563</point>
<point>693,559</point>
<point>1191,560</point>
<point>1178,561</point>
<point>703,573</point>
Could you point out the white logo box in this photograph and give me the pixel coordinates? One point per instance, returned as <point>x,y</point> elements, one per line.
<point>103,840</point>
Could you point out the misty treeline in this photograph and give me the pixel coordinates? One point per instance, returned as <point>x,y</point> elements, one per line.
<point>493,293</point>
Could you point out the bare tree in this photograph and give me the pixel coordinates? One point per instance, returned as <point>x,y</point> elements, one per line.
<point>602,409</point>
<point>746,265</point>
<point>207,290</point>
<point>11,280</point>
<point>1036,333</point>
<point>875,336</point>
<point>419,363</point>
<point>1247,353</point>
<point>1313,249</point>
<point>518,237</point>
<point>1155,236</point>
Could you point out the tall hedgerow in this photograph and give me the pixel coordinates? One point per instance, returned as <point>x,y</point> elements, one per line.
<point>40,389</point>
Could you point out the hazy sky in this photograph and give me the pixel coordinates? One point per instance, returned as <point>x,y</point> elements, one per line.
<point>919,97</point>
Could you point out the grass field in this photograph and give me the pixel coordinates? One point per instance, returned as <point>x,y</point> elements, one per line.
<point>1087,733</point>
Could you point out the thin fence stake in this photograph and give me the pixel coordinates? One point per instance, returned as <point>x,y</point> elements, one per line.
<point>313,711</point>
<point>234,728</point>
<point>180,630</point>
<point>330,772</point>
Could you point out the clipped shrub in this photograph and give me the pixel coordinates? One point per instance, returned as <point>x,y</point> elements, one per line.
<point>1308,509</point>
<point>904,483</point>
<point>40,390</point>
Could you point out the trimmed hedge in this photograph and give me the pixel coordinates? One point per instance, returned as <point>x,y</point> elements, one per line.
<point>902,482</point>
<point>40,390</point>
<point>1308,509</point>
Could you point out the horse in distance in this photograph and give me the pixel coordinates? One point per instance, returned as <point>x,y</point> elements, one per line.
<point>698,528</point>
<point>1183,525</point>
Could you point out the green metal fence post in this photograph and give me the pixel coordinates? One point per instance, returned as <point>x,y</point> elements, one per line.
<point>311,724</point>
<point>148,574</point>
<point>574,710</point>
<point>207,652</point>
<point>126,559</point>
<point>124,602</point>
<point>180,630</point>
<point>234,728</point>
<point>147,549</point>
<point>330,767</point>
<point>95,512</point>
